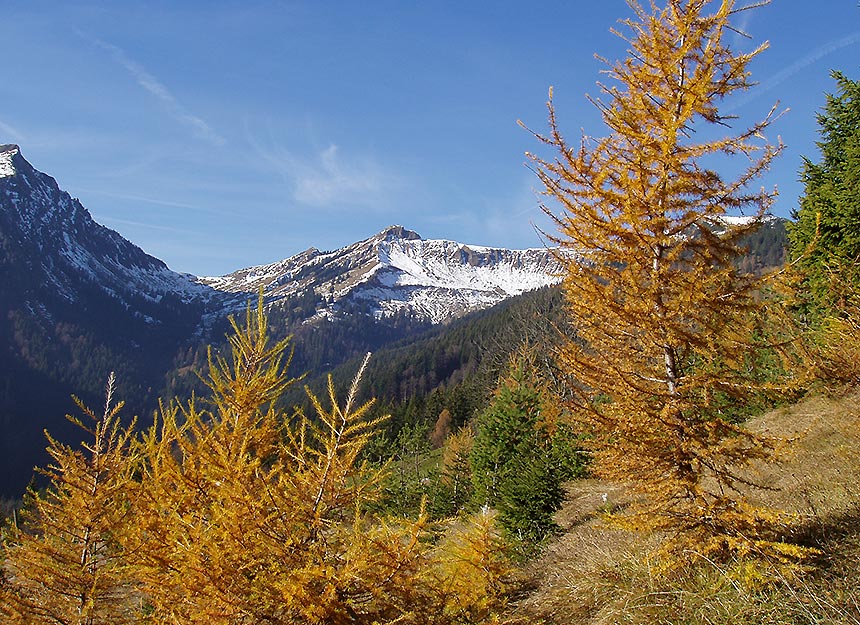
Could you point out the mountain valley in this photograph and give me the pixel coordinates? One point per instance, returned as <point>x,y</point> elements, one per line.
<point>78,301</point>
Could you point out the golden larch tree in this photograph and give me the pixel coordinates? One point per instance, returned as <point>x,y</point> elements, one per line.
<point>229,510</point>
<point>666,325</point>
<point>455,474</point>
<point>63,564</point>
<point>253,515</point>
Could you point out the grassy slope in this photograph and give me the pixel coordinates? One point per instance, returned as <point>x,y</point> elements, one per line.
<point>593,574</point>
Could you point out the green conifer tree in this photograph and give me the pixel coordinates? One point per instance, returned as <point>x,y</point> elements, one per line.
<point>512,459</point>
<point>825,238</point>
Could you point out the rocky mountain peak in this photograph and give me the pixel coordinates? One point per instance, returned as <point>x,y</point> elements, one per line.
<point>8,154</point>
<point>397,272</point>
<point>393,233</point>
<point>60,246</point>
<point>392,272</point>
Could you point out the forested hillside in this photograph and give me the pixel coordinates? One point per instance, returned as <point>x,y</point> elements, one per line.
<point>668,435</point>
<point>77,301</point>
<point>457,366</point>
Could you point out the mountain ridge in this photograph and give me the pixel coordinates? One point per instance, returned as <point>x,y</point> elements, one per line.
<point>398,271</point>
<point>392,272</point>
<point>72,245</point>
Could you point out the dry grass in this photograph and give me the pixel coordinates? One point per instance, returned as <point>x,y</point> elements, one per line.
<point>595,575</point>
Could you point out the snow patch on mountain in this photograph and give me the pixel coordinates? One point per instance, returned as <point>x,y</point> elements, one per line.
<point>393,272</point>
<point>448,264</point>
<point>68,248</point>
<point>7,167</point>
<point>397,271</point>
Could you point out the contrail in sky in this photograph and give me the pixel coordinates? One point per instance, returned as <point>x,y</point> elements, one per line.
<point>151,84</point>
<point>139,198</point>
<point>801,64</point>
<point>809,59</point>
<point>139,224</point>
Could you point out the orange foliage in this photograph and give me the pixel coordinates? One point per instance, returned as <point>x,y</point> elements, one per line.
<point>230,511</point>
<point>63,564</point>
<point>666,332</point>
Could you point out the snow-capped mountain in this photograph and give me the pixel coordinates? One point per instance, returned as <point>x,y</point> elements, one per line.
<point>63,246</point>
<point>78,301</point>
<point>397,271</point>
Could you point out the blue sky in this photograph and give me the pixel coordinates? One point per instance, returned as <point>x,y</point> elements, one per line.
<point>220,134</point>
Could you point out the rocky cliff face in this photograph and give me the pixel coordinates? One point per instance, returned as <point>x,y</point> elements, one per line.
<point>52,239</point>
<point>77,301</point>
<point>54,245</point>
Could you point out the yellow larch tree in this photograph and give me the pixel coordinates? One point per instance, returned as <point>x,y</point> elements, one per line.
<point>232,511</point>
<point>455,474</point>
<point>666,325</point>
<point>471,576</point>
<point>252,515</point>
<point>206,465</point>
<point>63,564</point>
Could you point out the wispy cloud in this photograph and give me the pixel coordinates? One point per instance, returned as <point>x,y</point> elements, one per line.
<point>139,224</point>
<point>511,218</point>
<point>140,198</point>
<point>326,178</point>
<point>329,179</point>
<point>156,88</point>
<point>798,66</point>
<point>7,130</point>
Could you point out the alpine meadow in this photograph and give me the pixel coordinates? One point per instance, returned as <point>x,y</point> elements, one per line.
<point>654,419</point>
